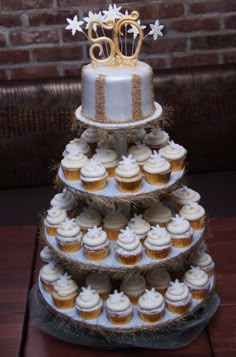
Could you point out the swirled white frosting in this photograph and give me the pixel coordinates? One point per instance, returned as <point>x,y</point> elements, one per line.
<point>92,170</point>
<point>75,161</point>
<point>118,303</point>
<point>115,220</point>
<point>173,151</point>
<point>156,164</point>
<point>157,238</point>
<point>95,238</point>
<point>158,278</point>
<point>76,146</point>
<point>88,299</point>
<point>99,281</point>
<point>50,272</point>
<point>178,293</point>
<point>134,285</point>
<point>55,216</point>
<point>88,218</point>
<point>184,195</point>
<point>127,168</point>
<point>46,254</point>
<point>91,135</point>
<point>65,200</point>
<point>65,286</point>
<point>195,278</point>
<point>136,135</point>
<point>192,211</point>
<point>157,137</point>
<point>179,225</point>
<point>128,243</point>
<point>69,231</point>
<point>107,157</point>
<point>158,213</point>
<point>204,261</point>
<point>139,225</point>
<point>151,301</point>
<point>140,153</point>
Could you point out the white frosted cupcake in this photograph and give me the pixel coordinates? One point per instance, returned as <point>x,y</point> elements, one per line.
<point>112,224</point>
<point>88,218</point>
<point>108,158</point>
<point>64,292</point>
<point>89,304</point>
<point>139,226</point>
<point>198,282</point>
<point>184,195</point>
<point>151,306</point>
<point>178,297</point>
<point>100,282</point>
<point>46,254</point>
<point>157,170</point>
<point>66,201</point>
<point>92,137</point>
<point>159,279</point>
<point>158,214</point>
<point>72,164</point>
<point>180,231</point>
<point>158,243</point>
<point>136,135</point>
<point>175,154</point>
<point>95,244</point>
<point>93,176</point>
<point>195,214</point>
<point>128,175</point>
<point>55,216</point>
<point>204,261</point>
<point>69,236</point>
<point>133,286</point>
<point>128,247</point>
<point>49,274</point>
<point>156,139</point>
<point>119,308</point>
<point>77,146</point>
<point>141,153</point>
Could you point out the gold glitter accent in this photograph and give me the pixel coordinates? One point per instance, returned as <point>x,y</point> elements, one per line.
<point>152,88</point>
<point>136,98</point>
<point>100,98</point>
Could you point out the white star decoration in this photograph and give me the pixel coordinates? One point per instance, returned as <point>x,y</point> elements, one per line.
<point>156,30</point>
<point>134,30</point>
<point>91,16</point>
<point>74,25</point>
<point>116,297</point>
<point>113,13</point>
<point>176,285</point>
<point>68,224</point>
<point>128,161</point>
<point>178,219</point>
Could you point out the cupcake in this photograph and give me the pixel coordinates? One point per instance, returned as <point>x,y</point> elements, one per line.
<point>175,154</point>
<point>204,262</point>
<point>151,306</point>
<point>136,135</point>
<point>180,231</point>
<point>112,224</point>
<point>158,214</point>
<point>46,254</point>
<point>195,214</point>
<point>119,308</point>
<point>108,158</point>
<point>66,201</point>
<point>64,292</point>
<point>100,282</point>
<point>55,216</point>
<point>49,274</point>
<point>128,247</point>
<point>96,244</point>
<point>141,153</point>
<point>139,226</point>
<point>128,175</point>
<point>89,304</point>
<point>157,170</point>
<point>158,242</point>
<point>77,146</point>
<point>158,279</point>
<point>91,137</point>
<point>156,139</point>
<point>72,164</point>
<point>69,236</point>
<point>88,219</point>
<point>198,282</point>
<point>93,176</point>
<point>133,286</point>
<point>178,297</point>
<point>184,195</point>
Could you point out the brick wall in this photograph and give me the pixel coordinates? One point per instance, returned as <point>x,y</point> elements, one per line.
<point>34,42</point>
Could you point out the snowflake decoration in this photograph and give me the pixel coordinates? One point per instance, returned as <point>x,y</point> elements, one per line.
<point>74,25</point>
<point>195,271</point>
<point>88,293</point>
<point>178,219</point>
<point>127,233</point>
<point>93,16</point>
<point>128,161</point>
<point>177,285</point>
<point>113,13</point>
<point>52,264</point>
<point>149,294</point>
<point>136,218</point>
<point>95,231</point>
<point>68,224</point>
<point>173,145</point>
<point>134,30</point>
<point>156,30</point>
<point>117,298</point>
<point>63,280</point>
<point>157,230</point>
<point>155,156</point>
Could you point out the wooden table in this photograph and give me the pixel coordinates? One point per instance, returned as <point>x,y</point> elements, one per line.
<point>17,335</point>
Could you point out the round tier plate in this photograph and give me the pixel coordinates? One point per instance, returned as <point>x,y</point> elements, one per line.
<point>119,126</point>
<point>111,190</point>
<point>111,264</point>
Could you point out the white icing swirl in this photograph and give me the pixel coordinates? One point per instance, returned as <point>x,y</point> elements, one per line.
<point>107,157</point>
<point>88,299</point>
<point>184,195</point>
<point>133,285</point>
<point>178,225</point>
<point>128,241</point>
<point>157,138</point>
<point>151,301</point>
<point>195,278</point>
<point>127,168</point>
<point>91,136</point>
<point>68,228</point>
<point>158,277</point>
<point>55,216</point>
<point>92,170</point>
<point>76,146</point>
<point>115,220</point>
<point>65,200</point>
<point>139,225</point>
<point>95,237</point>
<point>140,153</point>
<point>158,213</point>
<point>50,272</point>
<point>178,293</point>
<point>192,211</point>
<point>173,151</point>
<point>204,261</point>
<point>65,286</point>
<point>118,302</point>
<point>88,218</point>
<point>156,164</point>
<point>158,238</point>
<point>46,254</point>
<point>75,161</point>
